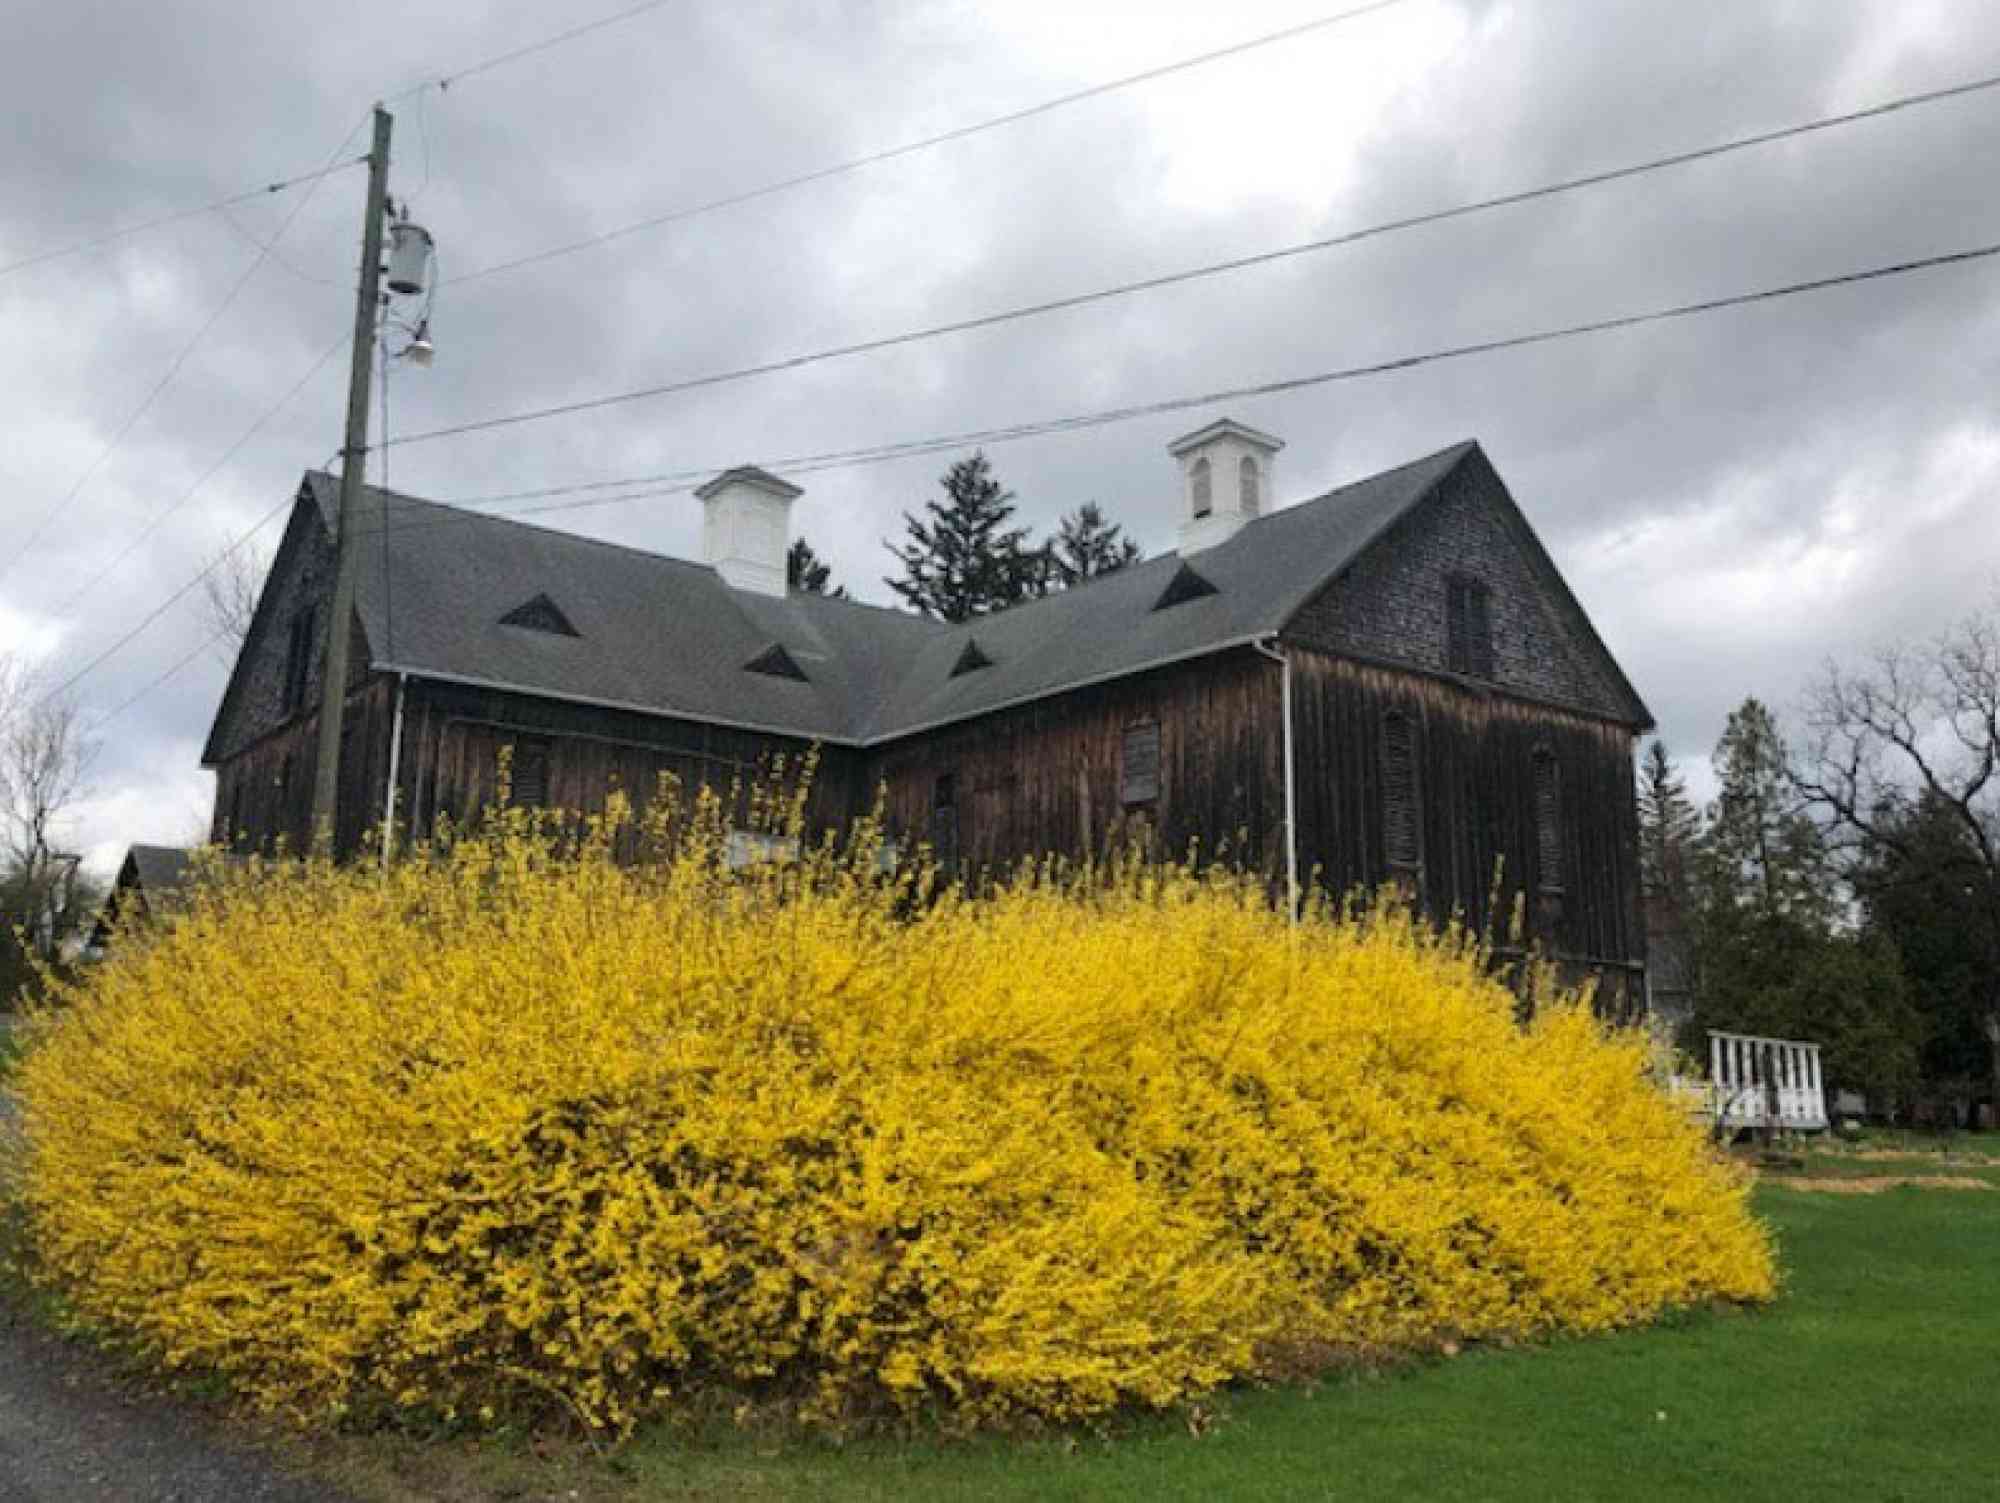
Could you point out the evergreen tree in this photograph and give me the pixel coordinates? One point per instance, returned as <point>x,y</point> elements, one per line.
<point>1669,838</point>
<point>1669,829</point>
<point>1923,886</point>
<point>1776,952</point>
<point>1088,545</point>
<point>1761,851</point>
<point>806,574</point>
<point>965,561</point>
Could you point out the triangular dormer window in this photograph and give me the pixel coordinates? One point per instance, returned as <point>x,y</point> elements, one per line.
<point>970,660</point>
<point>1186,585</point>
<point>777,663</point>
<point>541,614</point>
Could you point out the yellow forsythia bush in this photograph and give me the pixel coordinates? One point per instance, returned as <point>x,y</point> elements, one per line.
<point>514,1126</point>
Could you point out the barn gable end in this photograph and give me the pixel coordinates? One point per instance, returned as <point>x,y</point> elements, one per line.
<point>1463,566</point>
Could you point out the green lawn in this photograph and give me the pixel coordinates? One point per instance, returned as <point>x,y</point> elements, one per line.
<point>1877,1377</point>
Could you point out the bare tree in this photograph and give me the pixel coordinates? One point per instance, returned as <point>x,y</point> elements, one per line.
<point>1918,727</point>
<point>45,758</point>
<point>229,593</point>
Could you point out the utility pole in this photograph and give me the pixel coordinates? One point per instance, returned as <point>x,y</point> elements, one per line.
<point>354,463</point>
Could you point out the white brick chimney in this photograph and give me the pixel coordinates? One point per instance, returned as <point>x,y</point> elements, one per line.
<point>748,528</point>
<point>1225,481</point>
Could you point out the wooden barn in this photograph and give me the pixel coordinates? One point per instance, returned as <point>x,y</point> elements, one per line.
<point>1389,682</point>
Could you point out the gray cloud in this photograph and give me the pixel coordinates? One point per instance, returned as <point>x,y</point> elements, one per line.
<point>1733,497</point>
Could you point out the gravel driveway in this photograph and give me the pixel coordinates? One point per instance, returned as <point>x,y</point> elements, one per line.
<point>68,1435</point>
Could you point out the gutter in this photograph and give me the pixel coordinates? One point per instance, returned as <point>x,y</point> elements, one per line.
<point>1267,647</point>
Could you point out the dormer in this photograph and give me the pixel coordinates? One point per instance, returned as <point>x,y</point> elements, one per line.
<point>1225,481</point>
<point>747,528</point>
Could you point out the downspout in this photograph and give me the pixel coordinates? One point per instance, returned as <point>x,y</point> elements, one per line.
<point>395,768</point>
<point>1284,662</point>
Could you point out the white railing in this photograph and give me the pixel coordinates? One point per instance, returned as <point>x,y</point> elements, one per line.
<point>1759,1082</point>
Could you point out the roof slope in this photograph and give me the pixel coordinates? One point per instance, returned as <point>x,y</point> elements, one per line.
<point>669,637</point>
<point>1108,628</point>
<point>159,868</point>
<point>653,633</point>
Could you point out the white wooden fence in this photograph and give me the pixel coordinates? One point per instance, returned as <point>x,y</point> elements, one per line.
<point>1759,1082</point>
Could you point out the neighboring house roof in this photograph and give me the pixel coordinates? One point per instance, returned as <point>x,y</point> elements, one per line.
<point>667,636</point>
<point>150,881</point>
<point>159,869</point>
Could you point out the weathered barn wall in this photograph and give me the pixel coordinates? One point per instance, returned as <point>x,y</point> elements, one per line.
<point>1050,777</point>
<point>453,735</point>
<point>263,792</point>
<point>1480,824</point>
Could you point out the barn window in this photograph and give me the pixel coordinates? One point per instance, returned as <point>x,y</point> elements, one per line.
<point>944,822</point>
<point>1201,487</point>
<point>1247,485</point>
<point>1402,824</point>
<point>528,773</point>
<point>1469,627</point>
<point>1141,782</point>
<point>234,827</point>
<point>1548,820</point>
<point>298,659</point>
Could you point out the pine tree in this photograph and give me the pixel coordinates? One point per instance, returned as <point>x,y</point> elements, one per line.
<point>1669,838</point>
<point>1761,850</point>
<point>965,561</point>
<point>806,574</point>
<point>1669,828</point>
<point>1087,545</point>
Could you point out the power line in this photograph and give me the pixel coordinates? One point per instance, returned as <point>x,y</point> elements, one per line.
<point>169,603</point>
<point>959,133</point>
<point>446,80</point>
<point>112,236</point>
<point>882,453</point>
<point>173,370</point>
<point>159,682</point>
<point>1210,269</point>
<point>247,195</point>
<point>879,453</point>
<point>207,475</point>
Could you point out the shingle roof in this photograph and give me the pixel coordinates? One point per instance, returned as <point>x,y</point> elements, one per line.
<point>159,868</point>
<point>668,636</point>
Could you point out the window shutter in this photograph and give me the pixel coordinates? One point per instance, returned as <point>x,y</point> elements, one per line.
<point>298,659</point>
<point>1402,838</point>
<point>1548,821</point>
<point>1204,501</point>
<point>1246,485</point>
<point>1468,627</point>
<point>1141,782</point>
<point>1479,629</point>
<point>530,774</point>
<point>944,823</point>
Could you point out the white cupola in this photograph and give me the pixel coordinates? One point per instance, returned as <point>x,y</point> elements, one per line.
<point>1225,481</point>
<point>747,528</point>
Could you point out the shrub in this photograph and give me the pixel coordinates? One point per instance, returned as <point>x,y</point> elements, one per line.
<point>513,1126</point>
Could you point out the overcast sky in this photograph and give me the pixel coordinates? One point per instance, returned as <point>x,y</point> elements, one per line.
<point>1733,498</point>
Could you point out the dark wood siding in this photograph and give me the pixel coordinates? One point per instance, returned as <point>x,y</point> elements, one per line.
<point>579,754</point>
<point>1051,777</point>
<point>263,793</point>
<point>1488,827</point>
